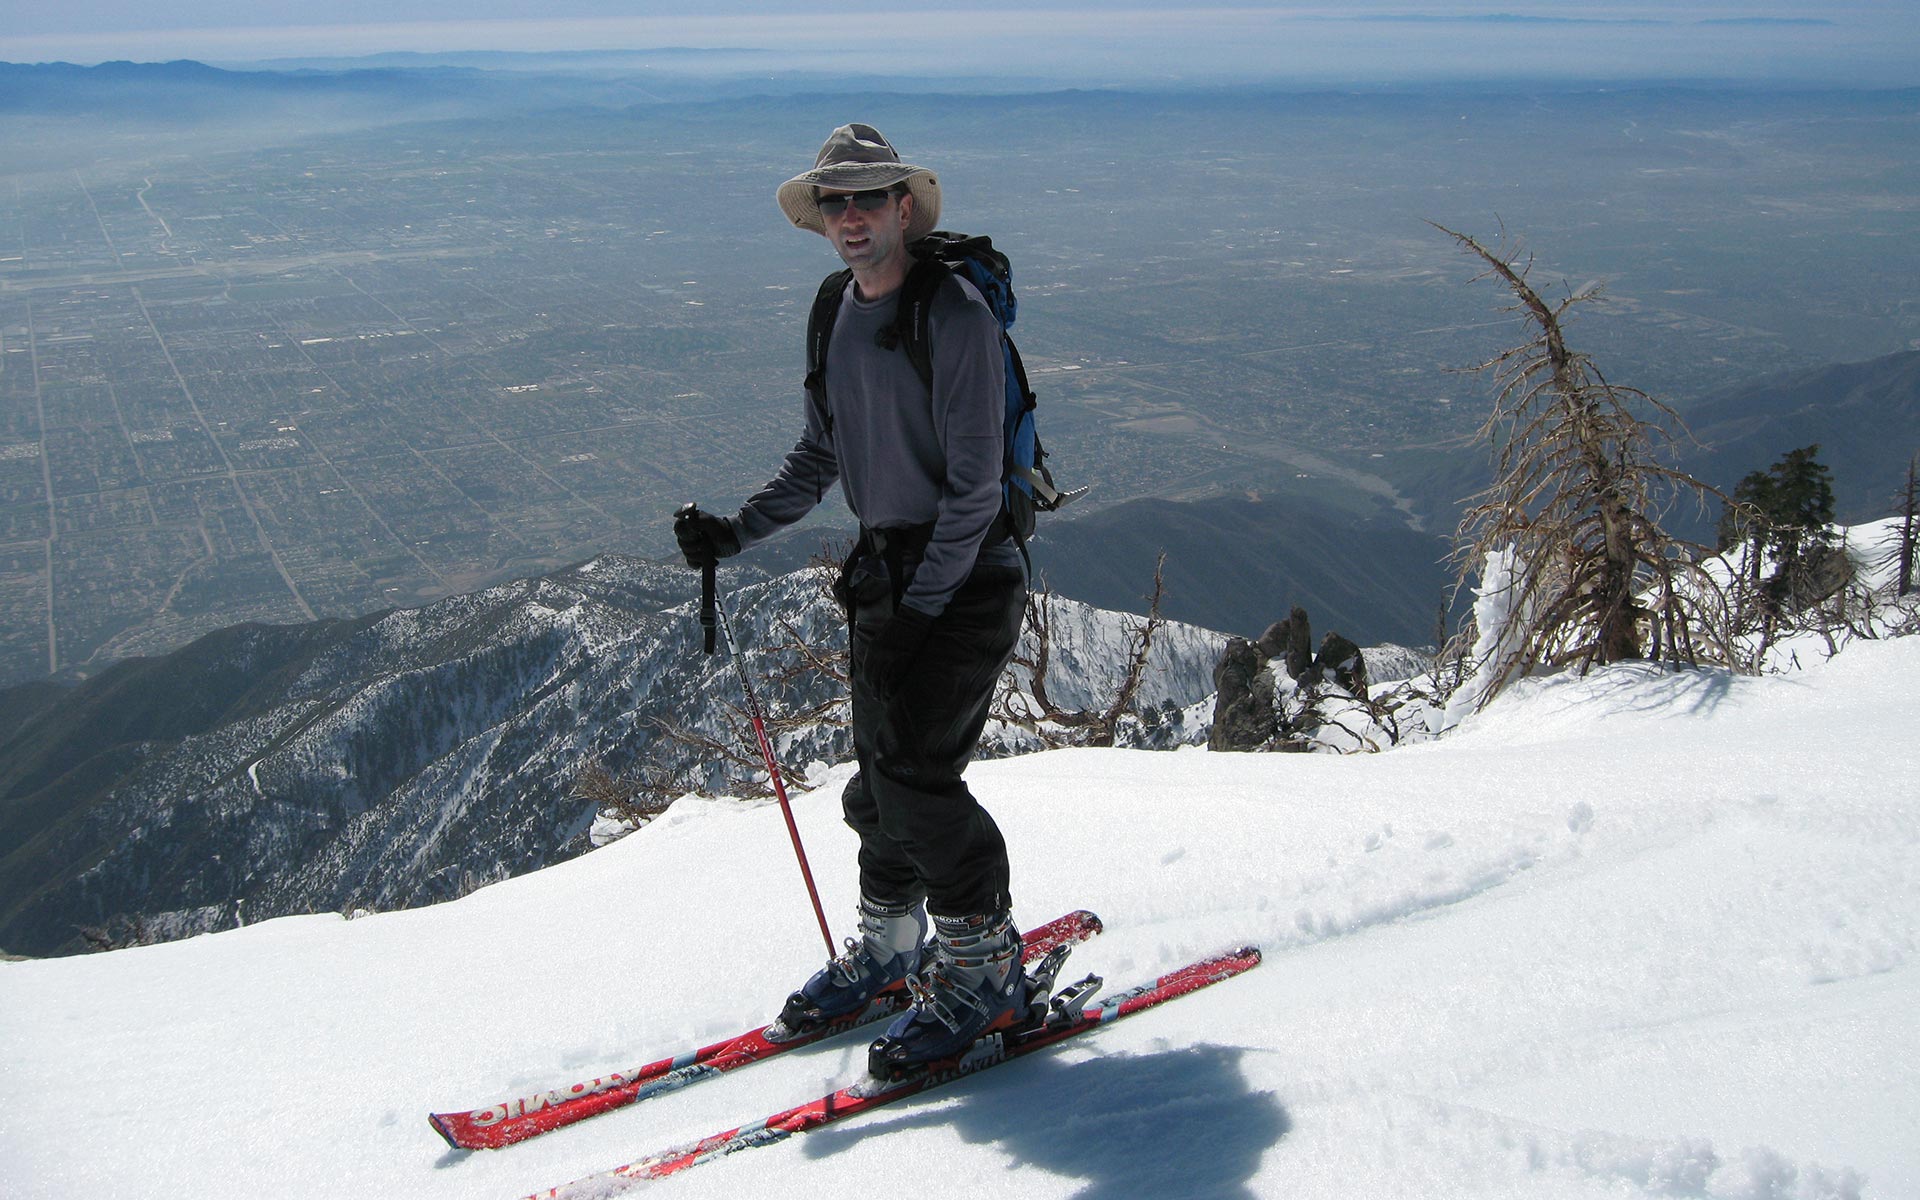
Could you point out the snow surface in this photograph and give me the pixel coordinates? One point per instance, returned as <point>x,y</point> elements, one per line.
<point>1634,934</point>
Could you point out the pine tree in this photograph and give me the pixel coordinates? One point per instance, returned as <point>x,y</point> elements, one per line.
<point>1800,504</point>
<point>1785,512</point>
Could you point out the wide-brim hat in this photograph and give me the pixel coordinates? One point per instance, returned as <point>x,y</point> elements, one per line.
<point>856,158</point>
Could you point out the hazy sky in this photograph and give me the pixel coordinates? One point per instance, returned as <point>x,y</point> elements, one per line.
<point>1871,42</point>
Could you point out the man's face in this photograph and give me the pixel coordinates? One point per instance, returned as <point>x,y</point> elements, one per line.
<point>868,230</point>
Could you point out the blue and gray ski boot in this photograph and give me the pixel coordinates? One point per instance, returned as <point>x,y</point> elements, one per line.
<point>973,987</point>
<point>887,951</point>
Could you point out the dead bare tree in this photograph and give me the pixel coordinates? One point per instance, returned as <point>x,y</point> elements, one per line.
<point>1577,498</point>
<point>118,932</point>
<point>630,799</point>
<point>731,760</point>
<point>1032,709</point>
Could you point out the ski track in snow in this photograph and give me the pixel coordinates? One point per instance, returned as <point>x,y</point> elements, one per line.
<point>1634,935</point>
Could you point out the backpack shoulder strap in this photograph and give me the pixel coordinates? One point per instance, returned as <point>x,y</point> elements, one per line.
<point>912,321</point>
<point>826,308</point>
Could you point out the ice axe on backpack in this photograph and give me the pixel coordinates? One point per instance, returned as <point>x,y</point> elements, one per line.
<point>713,614</point>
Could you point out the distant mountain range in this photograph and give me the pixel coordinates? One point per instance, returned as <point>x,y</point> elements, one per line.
<point>64,114</point>
<point>1865,417</point>
<point>1234,564</point>
<point>180,88</point>
<point>409,757</point>
<point>1238,565</point>
<point>392,88</point>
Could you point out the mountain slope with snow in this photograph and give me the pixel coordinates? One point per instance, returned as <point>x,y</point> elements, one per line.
<point>1639,934</point>
<point>408,758</point>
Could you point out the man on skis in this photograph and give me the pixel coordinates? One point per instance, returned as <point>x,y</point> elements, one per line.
<point>935,589</point>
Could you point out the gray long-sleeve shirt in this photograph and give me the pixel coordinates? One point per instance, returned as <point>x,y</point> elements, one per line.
<point>905,458</point>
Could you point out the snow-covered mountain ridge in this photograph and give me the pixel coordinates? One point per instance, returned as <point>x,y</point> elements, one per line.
<point>406,759</point>
<point>1637,934</point>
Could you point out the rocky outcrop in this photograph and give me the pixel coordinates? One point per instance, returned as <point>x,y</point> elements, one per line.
<point>1245,716</point>
<point>1255,710</point>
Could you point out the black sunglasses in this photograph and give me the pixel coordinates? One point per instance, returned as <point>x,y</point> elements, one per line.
<point>874,201</point>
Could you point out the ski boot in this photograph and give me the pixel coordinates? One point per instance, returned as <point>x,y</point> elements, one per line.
<point>887,951</point>
<point>973,987</point>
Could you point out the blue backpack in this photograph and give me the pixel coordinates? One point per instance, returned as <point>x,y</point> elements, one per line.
<point>1027,485</point>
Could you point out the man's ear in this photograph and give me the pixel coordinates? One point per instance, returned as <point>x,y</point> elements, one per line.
<point>906,211</point>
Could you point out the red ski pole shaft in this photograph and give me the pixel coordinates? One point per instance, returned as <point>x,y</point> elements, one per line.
<point>773,773</point>
<point>793,830</point>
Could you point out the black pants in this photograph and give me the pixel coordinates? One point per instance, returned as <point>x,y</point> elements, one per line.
<point>922,833</point>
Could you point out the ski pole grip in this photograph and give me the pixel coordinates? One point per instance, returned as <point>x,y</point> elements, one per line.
<point>707,573</point>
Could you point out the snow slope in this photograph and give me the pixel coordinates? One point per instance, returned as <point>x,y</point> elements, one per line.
<point>1638,934</point>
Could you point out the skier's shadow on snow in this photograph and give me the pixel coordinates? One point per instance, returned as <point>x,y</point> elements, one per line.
<point>1176,1123</point>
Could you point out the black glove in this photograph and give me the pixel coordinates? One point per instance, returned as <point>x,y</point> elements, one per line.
<point>704,538</point>
<point>890,657</point>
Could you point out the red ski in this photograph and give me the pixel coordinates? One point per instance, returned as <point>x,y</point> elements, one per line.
<point>1069,1017</point>
<point>520,1117</point>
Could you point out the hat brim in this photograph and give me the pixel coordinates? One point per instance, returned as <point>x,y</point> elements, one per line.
<point>797,200</point>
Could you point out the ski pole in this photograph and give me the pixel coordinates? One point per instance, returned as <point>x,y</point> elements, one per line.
<point>713,604</point>
<point>707,604</point>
